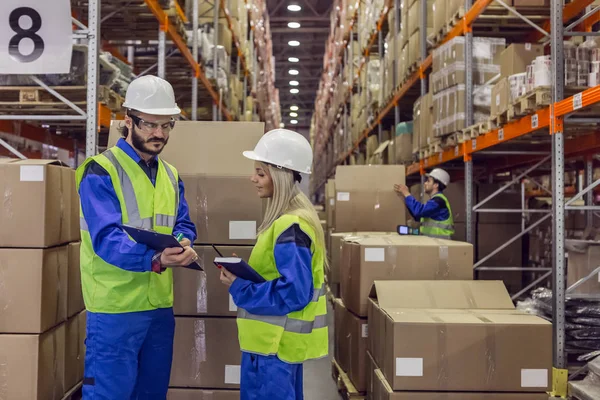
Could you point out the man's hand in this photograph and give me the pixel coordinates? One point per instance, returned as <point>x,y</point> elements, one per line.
<point>174,257</point>
<point>402,189</point>
<point>185,242</point>
<point>227,277</point>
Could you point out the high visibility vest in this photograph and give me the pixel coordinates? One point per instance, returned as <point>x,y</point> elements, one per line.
<point>106,287</point>
<point>300,335</point>
<point>439,229</point>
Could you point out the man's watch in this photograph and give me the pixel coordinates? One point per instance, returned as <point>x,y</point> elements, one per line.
<point>156,264</point>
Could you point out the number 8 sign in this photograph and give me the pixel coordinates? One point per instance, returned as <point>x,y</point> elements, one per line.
<point>36,37</point>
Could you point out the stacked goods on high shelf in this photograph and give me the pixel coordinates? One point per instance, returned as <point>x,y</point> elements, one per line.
<point>458,340</point>
<point>226,210</point>
<point>42,322</point>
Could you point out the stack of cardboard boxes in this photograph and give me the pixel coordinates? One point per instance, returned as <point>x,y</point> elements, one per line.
<point>42,325</point>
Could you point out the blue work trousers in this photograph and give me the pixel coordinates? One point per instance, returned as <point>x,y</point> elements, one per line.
<point>128,356</point>
<point>267,377</point>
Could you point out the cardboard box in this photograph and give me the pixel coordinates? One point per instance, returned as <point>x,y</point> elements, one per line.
<point>206,353</point>
<point>330,200</point>
<point>75,302</point>
<point>34,289</point>
<point>40,207</point>
<point>201,293</point>
<point>339,316</point>
<point>483,344</point>
<point>353,340</point>
<point>395,257</point>
<point>202,394</point>
<point>516,57</point>
<point>371,368</point>
<point>75,333</point>
<point>500,97</point>
<point>383,391</point>
<point>223,215</point>
<point>365,198</point>
<point>582,261</point>
<point>33,365</point>
<point>208,148</point>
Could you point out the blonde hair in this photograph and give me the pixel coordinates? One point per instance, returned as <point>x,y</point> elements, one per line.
<point>289,199</point>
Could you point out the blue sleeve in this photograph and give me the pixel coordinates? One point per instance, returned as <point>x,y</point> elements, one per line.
<point>418,210</point>
<point>290,292</point>
<point>102,213</point>
<point>184,224</point>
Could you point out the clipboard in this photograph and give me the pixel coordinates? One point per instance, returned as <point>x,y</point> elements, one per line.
<point>157,241</point>
<point>239,268</point>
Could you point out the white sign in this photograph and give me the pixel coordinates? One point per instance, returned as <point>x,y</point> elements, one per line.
<point>36,37</point>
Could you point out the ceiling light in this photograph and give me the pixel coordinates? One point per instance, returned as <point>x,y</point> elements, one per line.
<point>294,25</point>
<point>294,7</point>
<point>294,83</point>
<point>293,59</point>
<point>293,122</point>
<point>294,43</point>
<point>293,72</point>
<point>294,108</point>
<point>294,91</point>
<point>293,114</point>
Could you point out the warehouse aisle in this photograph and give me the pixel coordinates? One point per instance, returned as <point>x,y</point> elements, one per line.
<point>318,383</point>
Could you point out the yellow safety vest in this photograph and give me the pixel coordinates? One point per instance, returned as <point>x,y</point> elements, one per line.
<point>300,335</point>
<point>439,229</point>
<point>108,288</point>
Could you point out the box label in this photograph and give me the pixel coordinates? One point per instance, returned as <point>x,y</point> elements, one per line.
<point>365,330</point>
<point>232,306</point>
<point>331,202</point>
<point>534,378</point>
<point>232,374</point>
<point>409,366</point>
<point>376,254</point>
<point>239,230</point>
<point>32,173</point>
<point>343,196</point>
<point>527,46</point>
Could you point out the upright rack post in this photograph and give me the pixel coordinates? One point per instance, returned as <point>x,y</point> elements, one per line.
<point>395,80</point>
<point>195,17</point>
<point>380,48</point>
<point>216,116</point>
<point>91,135</point>
<point>469,122</point>
<point>162,41</point>
<point>423,38</point>
<point>589,196</point>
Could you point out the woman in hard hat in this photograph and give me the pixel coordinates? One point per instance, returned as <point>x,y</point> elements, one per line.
<point>281,322</point>
<point>435,215</point>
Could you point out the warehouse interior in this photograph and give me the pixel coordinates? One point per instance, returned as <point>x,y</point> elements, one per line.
<point>500,300</point>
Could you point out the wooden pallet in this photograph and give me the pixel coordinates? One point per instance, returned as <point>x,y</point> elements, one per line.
<point>455,19</point>
<point>345,387</point>
<point>540,97</point>
<point>500,119</point>
<point>110,98</point>
<point>74,393</point>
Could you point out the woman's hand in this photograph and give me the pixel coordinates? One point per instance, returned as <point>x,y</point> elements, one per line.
<point>227,277</point>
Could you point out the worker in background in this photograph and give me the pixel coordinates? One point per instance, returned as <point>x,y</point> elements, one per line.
<point>435,215</point>
<point>128,287</point>
<point>282,322</point>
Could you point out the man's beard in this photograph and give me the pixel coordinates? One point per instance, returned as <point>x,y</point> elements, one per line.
<point>142,146</point>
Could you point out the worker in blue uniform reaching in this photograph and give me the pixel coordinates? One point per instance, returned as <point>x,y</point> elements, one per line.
<point>128,287</point>
<point>435,215</point>
<point>282,322</point>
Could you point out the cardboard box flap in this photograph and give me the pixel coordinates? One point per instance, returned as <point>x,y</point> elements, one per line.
<point>382,147</point>
<point>40,162</point>
<point>7,160</point>
<point>404,240</point>
<point>370,178</point>
<point>467,317</point>
<point>442,295</point>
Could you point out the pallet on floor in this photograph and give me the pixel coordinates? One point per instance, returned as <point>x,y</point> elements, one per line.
<point>345,387</point>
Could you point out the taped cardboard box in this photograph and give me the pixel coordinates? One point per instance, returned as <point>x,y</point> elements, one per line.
<point>483,345</point>
<point>34,289</point>
<point>206,353</point>
<point>383,391</point>
<point>200,293</point>
<point>40,205</point>
<point>353,341</point>
<point>365,198</point>
<point>202,394</point>
<point>33,365</point>
<point>225,209</point>
<point>394,257</point>
<point>75,303</point>
<point>516,57</point>
<point>372,367</point>
<point>75,333</point>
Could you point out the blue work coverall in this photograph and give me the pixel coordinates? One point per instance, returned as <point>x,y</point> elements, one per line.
<point>128,355</point>
<point>435,209</point>
<point>267,377</point>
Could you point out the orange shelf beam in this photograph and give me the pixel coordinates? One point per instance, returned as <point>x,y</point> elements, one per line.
<point>474,12</point>
<point>570,11</point>
<point>581,100</point>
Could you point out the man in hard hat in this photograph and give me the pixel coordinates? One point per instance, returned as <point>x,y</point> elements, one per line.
<point>128,287</point>
<point>435,215</point>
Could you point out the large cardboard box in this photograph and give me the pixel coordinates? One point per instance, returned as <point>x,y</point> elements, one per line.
<point>383,391</point>
<point>481,345</point>
<point>202,394</point>
<point>40,207</point>
<point>330,200</point>
<point>353,342</point>
<point>206,353</point>
<point>201,293</point>
<point>395,257</point>
<point>33,298</point>
<point>372,367</point>
<point>75,302</point>
<point>500,97</point>
<point>225,209</point>
<point>365,198</point>
<point>582,261</point>
<point>32,366</point>
<point>516,57</point>
<point>75,334</point>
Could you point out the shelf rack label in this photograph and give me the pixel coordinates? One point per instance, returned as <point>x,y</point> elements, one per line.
<point>577,101</point>
<point>474,144</point>
<point>456,151</point>
<point>534,121</point>
<point>501,134</point>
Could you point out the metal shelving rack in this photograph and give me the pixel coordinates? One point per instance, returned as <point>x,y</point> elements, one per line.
<point>551,119</point>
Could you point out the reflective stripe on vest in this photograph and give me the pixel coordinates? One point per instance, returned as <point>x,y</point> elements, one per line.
<point>430,223</point>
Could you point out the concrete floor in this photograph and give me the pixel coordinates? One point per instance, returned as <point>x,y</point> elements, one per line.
<point>318,383</point>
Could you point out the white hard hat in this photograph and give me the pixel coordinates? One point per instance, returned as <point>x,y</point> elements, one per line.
<point>283,148</point>
<point>440,175</point>
<point>151,95</point>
